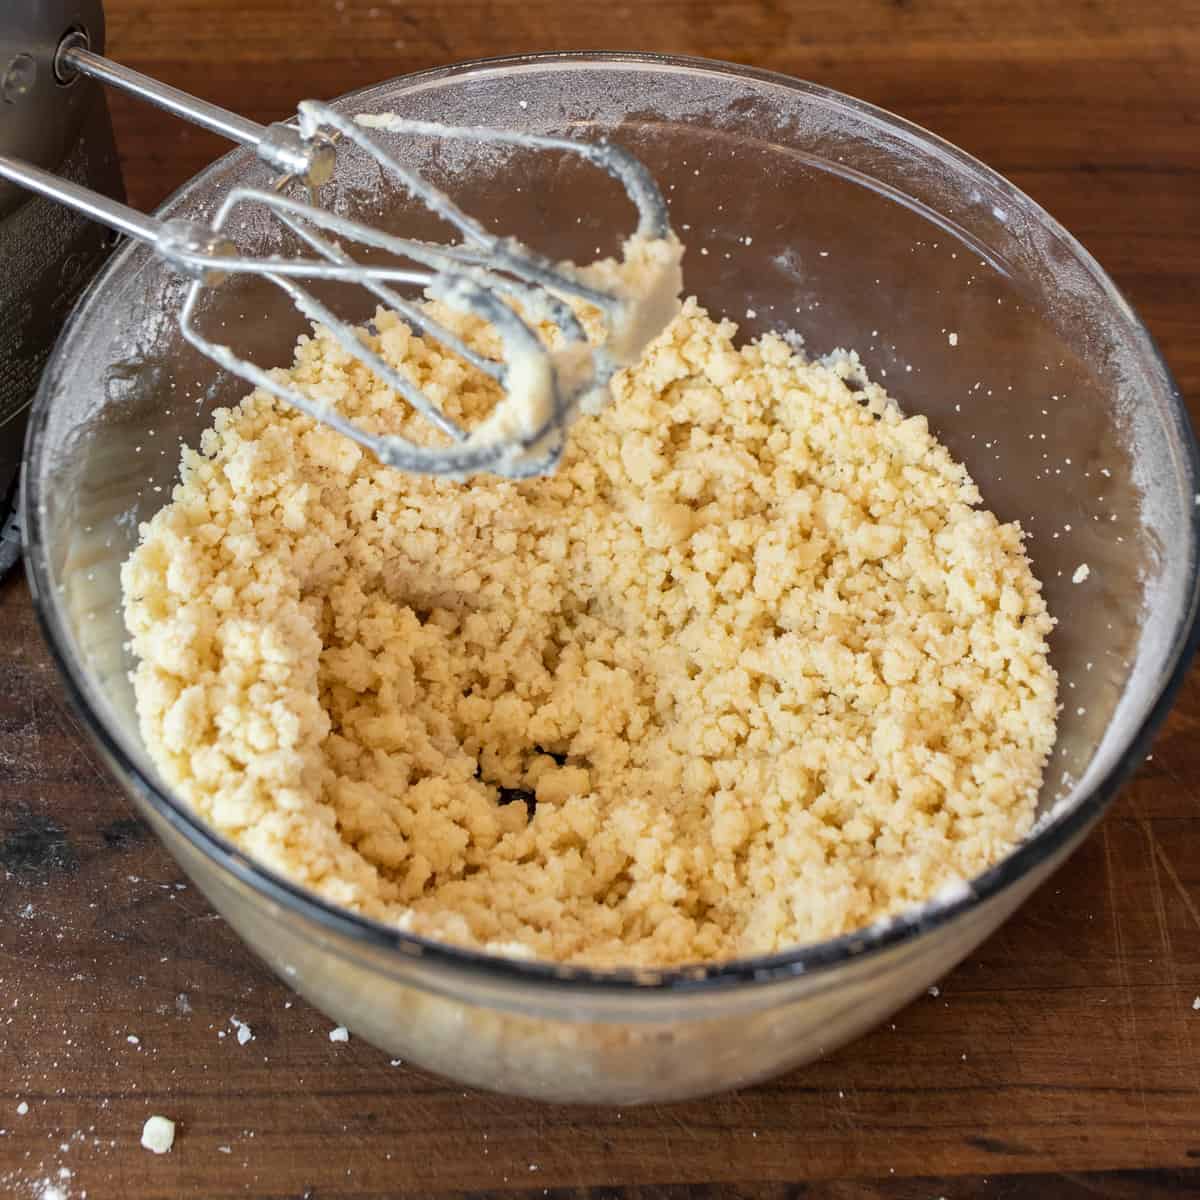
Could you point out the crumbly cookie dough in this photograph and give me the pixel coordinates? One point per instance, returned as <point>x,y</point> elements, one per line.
<point>760,665</point>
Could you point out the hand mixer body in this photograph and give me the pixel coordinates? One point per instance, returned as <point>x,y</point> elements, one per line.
<point>47,252</point>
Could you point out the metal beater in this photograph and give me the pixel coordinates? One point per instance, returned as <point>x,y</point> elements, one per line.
<point>515,290</point>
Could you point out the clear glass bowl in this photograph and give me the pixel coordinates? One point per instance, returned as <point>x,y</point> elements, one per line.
<point>801,208</point>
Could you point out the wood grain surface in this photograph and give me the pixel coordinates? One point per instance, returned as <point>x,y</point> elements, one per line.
<point>1061,1060</point>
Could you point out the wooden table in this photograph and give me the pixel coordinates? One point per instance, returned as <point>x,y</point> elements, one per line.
<point>1063,1059</point>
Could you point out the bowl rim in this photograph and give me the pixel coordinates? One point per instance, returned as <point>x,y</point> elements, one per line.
<point>1055,835</point>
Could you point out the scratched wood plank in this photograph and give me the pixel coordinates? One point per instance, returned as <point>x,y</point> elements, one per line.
<point>1061,1060</point>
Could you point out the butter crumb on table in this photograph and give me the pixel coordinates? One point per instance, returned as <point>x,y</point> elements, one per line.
<point>757,665</point>
<point>158,1134</point>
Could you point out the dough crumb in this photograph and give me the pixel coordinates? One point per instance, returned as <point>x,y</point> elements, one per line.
<point>754,668</point>
<point>158,1134</point>
<point>1081,573</point>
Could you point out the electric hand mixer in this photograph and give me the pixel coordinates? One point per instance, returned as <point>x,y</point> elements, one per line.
<point>49,54</point>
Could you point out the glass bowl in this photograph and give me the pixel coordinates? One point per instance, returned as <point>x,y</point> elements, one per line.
<point>801,208</point>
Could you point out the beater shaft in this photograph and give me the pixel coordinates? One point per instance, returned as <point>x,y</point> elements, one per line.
<point>280,146</point>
